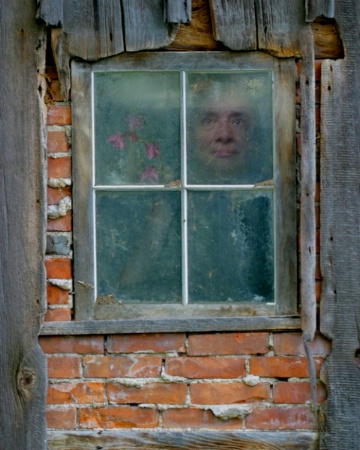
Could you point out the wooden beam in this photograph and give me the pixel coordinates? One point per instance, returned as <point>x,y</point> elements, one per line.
<point>183,440</point>
<point>177,11</point>
<point>171,326</point>
<point>317,8</point>
<point>22,227</point>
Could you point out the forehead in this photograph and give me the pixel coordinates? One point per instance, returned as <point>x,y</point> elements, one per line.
<point>223,102</point>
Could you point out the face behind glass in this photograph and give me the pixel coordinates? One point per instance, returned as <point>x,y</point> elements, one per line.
<point>221,132</point>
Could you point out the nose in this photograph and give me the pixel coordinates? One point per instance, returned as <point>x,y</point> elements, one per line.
<point>224,132</point>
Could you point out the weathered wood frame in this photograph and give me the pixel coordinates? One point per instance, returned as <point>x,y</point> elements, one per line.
<point>284,179</point>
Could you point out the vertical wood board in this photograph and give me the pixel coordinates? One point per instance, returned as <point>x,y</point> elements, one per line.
<point>234,23</point>
<point>317,8</point>
<point>22,229</point>
<point>177,11</point>
<point>144,25</point>
<point>340,243</point>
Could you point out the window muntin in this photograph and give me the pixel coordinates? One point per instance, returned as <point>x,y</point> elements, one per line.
<point>154,122</point>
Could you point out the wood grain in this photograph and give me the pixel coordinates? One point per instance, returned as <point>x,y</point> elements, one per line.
<point>22,230</point>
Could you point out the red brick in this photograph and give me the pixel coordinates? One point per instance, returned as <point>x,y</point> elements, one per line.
<point>292,344</point>
<point>59,167</point>
<point>281,366</point>
<point>54,90</point>
<point>318,287</point>
<point>228,344</point>
<point>317,67</point>
<point>56,295</point>
<point>206,367</point>
<point>72,344</point>
<point>118,417</point>
<point>166,393</point>
<point>228,393</point>
<point>275,418</point>
<point>54,195</point>
<point>61,224</point>
<point>58,268</point>
<point>296,392</point>
<point>122,366</point>
<point>59,115</point>
<point>197,418</point>
<point>151,343</point>
<point>61,418</point>
<point>57,141</point>
<point>63,367</point>
<point>58,315</point>
<point>76,392</point>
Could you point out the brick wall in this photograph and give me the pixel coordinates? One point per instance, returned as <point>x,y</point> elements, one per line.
<point>227,381</point>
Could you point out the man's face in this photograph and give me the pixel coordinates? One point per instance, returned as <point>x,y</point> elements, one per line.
<point>221,133</point>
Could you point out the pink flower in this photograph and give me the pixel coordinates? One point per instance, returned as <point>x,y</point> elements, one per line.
<point>150,174</point>
<point>152,151</point>
<point>135,122</point>
<point>117,140</point>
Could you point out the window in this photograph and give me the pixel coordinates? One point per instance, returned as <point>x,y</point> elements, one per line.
<point>184,186</point>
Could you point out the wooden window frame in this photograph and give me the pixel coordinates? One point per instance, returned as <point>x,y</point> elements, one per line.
<point>159,317</point>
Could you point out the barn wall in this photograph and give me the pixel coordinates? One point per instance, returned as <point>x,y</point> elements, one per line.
<point>218,381</point>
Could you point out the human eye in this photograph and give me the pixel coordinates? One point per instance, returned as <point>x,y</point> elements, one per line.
<point>208,121</point>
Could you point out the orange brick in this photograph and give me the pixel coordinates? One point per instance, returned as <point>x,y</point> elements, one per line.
<point>61,224</point>
<point>206,367</point>
<point>292,344</point>
<point>61,418</point>
<point>57,141</point>
<point>59,115</point>
<point>166,393</point>
<point>56,295</point>
<point>197,418</point>
<point>281,366</point>
<point>118,417</point>
<point>154,343</point>
<point>296,392</point>
<point>58,268</point>
<point>76,392</point>
<point>122,366</point>
<point>63,366</point>
<point>228,344</point>
<point>54,195</point>
<point>58,315</point>
<point>281,419</point>
<point>59,167</point>
<point>228,393</point>
<point>72,344</point>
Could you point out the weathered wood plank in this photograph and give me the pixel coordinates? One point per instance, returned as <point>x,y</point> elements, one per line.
<point>22,230</point>
<point>340,244</point>
<point>308,186</point>
<point>177,11</point>
<point>183,440</point>
<point>317,8</point>
<point>144,25</point>
<point>170,326</point>
<point>234,23</point>
<point>198,34</point>
<point>51,11</point>
<point>327,40</point>
<point>280,24</point>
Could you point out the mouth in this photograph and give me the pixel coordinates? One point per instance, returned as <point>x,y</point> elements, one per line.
<point>224,153</point>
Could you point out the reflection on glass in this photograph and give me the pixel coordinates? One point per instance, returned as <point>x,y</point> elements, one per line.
<point>230,246</point>
<point>229,127</point>
<point>137,123</point>
<point>138,246</point>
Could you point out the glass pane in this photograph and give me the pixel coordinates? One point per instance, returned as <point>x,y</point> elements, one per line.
<point>138,246</point>
<point>137,127</point>
<point>229,120</point>
<point>231,246</point>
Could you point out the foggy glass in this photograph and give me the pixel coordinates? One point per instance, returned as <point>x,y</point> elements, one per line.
<point>138,246</point>
<point>229,127</point>
<point>230,246</point>
<point>137,127</point>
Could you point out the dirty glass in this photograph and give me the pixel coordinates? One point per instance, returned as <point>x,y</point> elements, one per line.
<point>231,246</point>
<point>137,127</point>
<point>138,246</point>
<point>229,120</point>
